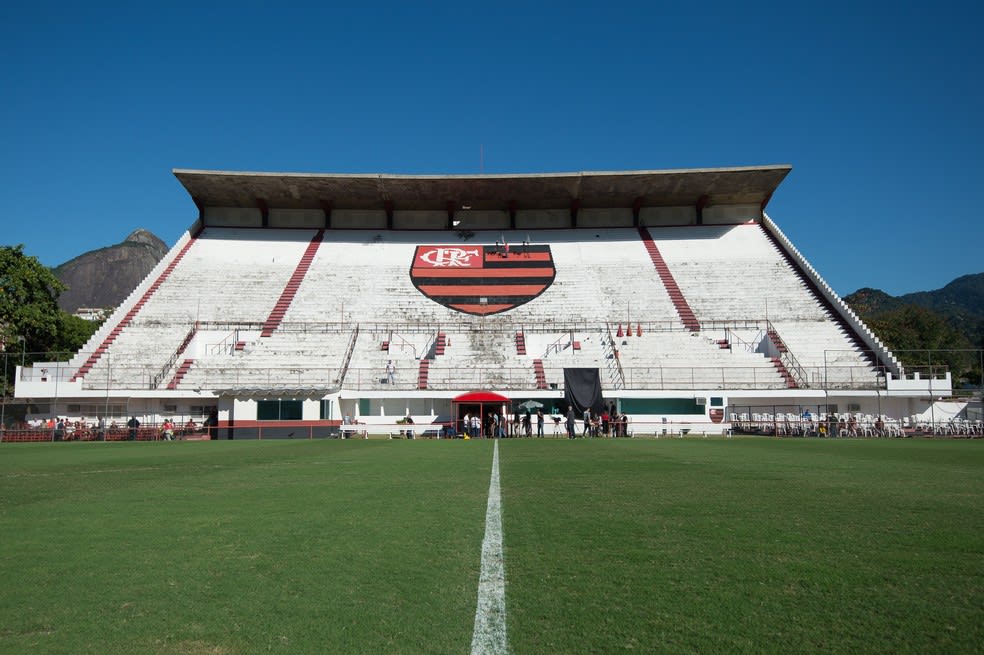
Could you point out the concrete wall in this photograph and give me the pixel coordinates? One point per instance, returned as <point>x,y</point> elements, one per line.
<point>666,216</point>
<point>542,219</point>
<point>297,218</point>
<point>473,219</point>
<point>233,217</point>
<point>363,219</point>
<point>728,214</point>
<point>620,217</point>
<point>419,220</point>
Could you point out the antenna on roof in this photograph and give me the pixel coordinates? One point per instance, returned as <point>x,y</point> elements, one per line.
<point>481,158</point>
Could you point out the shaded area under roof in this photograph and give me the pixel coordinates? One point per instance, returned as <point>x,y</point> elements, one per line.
<point>743,185</point>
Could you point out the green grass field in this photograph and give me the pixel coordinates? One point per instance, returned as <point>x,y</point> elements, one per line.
<point>678,546</point>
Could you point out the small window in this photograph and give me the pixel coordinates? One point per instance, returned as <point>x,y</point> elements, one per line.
<point>717,401</point>
<point>279,410</point>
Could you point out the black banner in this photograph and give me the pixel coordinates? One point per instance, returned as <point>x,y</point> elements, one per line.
<point>582,389</point>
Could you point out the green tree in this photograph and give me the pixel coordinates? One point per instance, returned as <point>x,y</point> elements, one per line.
<point>911,332</point>
<point>28,299</point>
<point>30,319</point>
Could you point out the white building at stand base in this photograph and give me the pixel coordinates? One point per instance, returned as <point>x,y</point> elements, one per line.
<point>296,301</point>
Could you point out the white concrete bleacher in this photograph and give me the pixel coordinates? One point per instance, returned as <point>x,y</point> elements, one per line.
<point>378,344</point>
<point>733,272</point>
<point>291,357</point>
<point>229,274</point>
<point>362,277</point>
<point>137,355</point>
<point>485,359</point>
<point>667,359</point>
<point>736,273</point>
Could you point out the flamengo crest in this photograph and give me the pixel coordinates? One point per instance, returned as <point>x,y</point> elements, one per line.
<point>482,280</point>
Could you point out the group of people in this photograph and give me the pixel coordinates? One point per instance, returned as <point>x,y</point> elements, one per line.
<point>607,423</point>
<point>840,426</point>
<point>64,429</point>
<point>498,426</point>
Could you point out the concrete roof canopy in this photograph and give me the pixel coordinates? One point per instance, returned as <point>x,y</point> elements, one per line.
<point>741,185</point>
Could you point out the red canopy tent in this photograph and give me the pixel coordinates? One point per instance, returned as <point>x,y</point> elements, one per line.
<point>480,399</point>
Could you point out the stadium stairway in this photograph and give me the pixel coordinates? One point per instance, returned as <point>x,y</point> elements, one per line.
<point>679,301</point>
<point>293,284</point>
<point>180,373</point>
<point>108,341</point>
<point>835,315</point>
<point>540,374</point>
<point>185,365</point>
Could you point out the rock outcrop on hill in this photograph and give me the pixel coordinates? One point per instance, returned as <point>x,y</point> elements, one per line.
<point>103,278</point>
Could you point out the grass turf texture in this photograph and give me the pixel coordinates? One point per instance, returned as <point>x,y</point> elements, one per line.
<point>692,545</point>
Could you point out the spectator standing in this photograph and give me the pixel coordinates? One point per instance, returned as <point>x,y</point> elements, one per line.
<point>133,424</point>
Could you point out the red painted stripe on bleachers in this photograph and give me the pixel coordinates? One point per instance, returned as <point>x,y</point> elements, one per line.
<point>293,284</point>
<point>95,356</point>
<point>684,311</point>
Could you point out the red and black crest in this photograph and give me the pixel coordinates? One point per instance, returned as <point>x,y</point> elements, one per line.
<point>482,280</point>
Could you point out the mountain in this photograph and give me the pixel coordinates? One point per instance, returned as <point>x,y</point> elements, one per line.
<point>103,278</point>
<point>947,321</point>
<point>960,300</point>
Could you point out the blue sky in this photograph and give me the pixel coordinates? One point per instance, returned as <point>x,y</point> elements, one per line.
<point>877,106</point>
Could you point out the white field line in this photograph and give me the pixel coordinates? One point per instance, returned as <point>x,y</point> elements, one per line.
<point>489,637</point>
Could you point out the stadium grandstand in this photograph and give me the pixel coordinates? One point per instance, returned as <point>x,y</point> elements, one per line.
<point>313,305</point>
